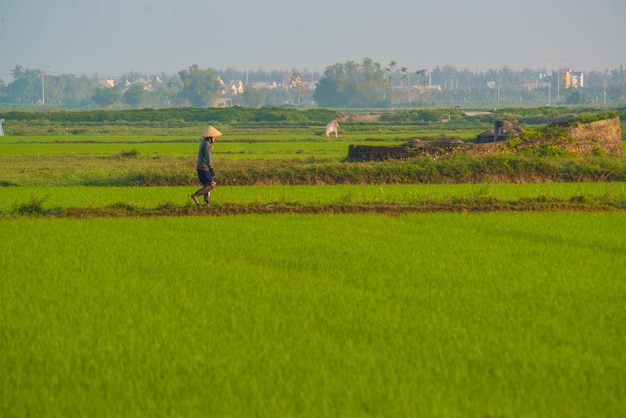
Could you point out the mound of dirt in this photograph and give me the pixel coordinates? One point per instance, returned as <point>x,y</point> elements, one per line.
<point>599,137</point>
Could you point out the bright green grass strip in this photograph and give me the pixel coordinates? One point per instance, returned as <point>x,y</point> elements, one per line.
<point>434,315</point>
<point>173,149</point>
<point>83,197</point>
<point>234,150</point>
<point>101,138</point>
<point>253,135</point>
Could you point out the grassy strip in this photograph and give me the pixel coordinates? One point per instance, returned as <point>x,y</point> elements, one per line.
<point>84,196</point>
<point>585,203</point>
<point>309,169</point>
<point>244,149</point>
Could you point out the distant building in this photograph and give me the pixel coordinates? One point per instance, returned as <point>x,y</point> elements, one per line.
<point>233,88</point>
<point>107,83</point>
<point>147,85</point>
<point>577,80</point>
<point>571,79</point>
<point>532,81</point>
<point>546,81</point>
<point>222,102</point>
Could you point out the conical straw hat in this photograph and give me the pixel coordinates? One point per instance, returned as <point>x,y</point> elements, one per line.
<point>210,132</point>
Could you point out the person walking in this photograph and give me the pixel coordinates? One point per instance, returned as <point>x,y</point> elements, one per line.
<point>204,166</point>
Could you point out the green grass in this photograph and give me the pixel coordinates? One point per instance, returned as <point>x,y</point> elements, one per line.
<point>337,149</point>
<point>259,157</point>
<point>438,315</point>
<point>130,168</point>
<point>250,135</point>
<point>150,197</point>
<point>435,315</point>
<point>258,149</point>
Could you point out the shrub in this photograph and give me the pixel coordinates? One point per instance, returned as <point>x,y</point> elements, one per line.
<point>133,153</point>
<point>588,118</point>
<point>33,206</point>
<point>532,133</point>
<point>597,151</point>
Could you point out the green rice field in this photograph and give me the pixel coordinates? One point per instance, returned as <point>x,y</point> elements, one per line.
<point>120,298</point>
<point>271,150</point>
<point>438,315</point>
<point>151,197</point>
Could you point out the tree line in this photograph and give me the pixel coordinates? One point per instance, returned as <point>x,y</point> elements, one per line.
<point>367,84</point>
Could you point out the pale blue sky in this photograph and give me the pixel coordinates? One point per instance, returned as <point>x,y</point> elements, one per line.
<point>152,36</point>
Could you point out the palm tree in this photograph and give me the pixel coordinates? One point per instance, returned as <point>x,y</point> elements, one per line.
<point>422,73</point>
<point>392,65</point>
<point>404,78</point>
<point>18,72</point>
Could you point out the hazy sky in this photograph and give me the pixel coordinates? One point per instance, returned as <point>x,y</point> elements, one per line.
<point>114,37</point>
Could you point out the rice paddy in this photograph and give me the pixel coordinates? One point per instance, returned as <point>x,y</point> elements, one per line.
<point>479,300</point>
<point>492,314</point>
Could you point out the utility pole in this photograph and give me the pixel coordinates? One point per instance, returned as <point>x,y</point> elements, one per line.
<point>43,95</point>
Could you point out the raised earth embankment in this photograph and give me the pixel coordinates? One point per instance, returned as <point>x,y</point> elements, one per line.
<point>598,137</point>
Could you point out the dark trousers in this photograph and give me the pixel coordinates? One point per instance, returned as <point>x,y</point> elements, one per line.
<point>208,184</point>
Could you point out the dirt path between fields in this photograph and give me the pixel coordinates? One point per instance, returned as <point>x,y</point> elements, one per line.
<point>459,205</point>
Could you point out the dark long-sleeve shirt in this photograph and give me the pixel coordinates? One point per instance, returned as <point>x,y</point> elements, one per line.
<point>205,159</point>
